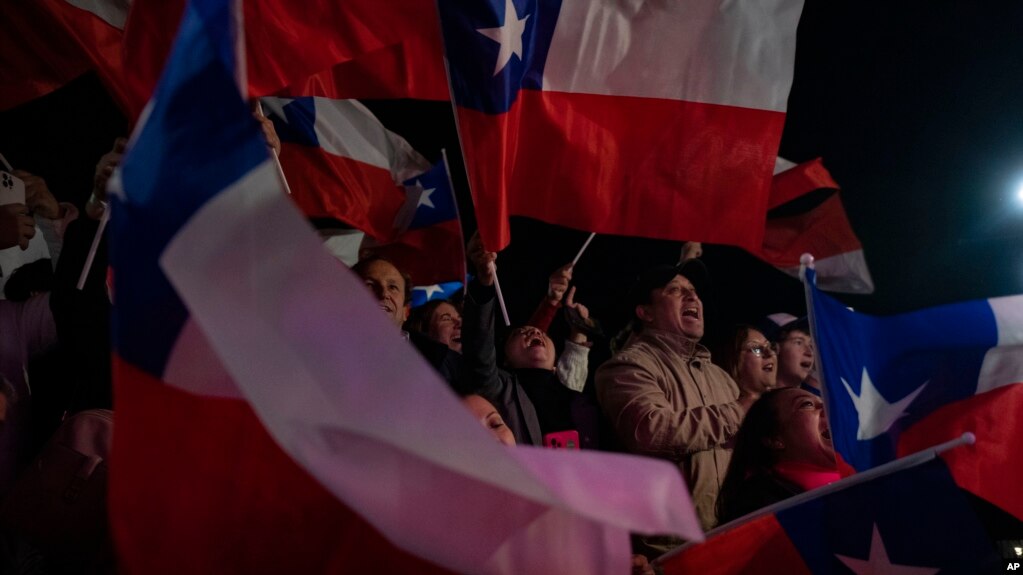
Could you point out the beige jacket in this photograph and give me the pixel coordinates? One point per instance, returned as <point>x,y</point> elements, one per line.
<point>666,399</point>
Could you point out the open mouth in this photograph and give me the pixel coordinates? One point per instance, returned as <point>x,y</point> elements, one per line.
<point>826,434</point>
<point>456,338</point>
<point>691,312</point>
<point>768,367</point>
<point>535,342</point>
<point>806,364</point>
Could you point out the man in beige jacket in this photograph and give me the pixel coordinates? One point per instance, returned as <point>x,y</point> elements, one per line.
<point>661,392</point>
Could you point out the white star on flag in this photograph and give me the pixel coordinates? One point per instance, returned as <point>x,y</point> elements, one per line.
<point>875,414</point>
<point>430,290</point>
<point>878,562</point>
<point>508,35</point>
<point>424,196</point>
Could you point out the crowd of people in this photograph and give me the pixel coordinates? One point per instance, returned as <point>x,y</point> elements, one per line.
<point>745,434</point>
<point>746,427</point>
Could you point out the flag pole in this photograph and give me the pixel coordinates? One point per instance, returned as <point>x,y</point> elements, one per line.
<point>273,152</point>
<point>500,298</point>
<point>583,249</point>
<point>458,218</point>
<point>461,147</point>
<point>94,247</point>
<point>806,261</point>
<point>6,163</point>
<point>900,464</point>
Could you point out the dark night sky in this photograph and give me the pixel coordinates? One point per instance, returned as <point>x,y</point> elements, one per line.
<point>915,108</point>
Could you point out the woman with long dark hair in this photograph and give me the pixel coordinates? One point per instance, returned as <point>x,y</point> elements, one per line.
<point>782,449</point>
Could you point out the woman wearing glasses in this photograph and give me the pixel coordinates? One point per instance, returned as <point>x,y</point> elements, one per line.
<point>752,361</point>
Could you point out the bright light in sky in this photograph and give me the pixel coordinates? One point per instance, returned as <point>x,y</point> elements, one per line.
<point>1019,193</point>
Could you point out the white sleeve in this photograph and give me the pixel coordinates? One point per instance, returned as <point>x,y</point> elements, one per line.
<point>573,366</point>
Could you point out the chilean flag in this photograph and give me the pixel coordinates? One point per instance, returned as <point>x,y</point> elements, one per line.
<point>342,163</point>
<point>271,419</point>
<point>800,222</point>
<point>429,245</point>
<point>657,119</point>
<point>913,522</point>
<point>902,383</point>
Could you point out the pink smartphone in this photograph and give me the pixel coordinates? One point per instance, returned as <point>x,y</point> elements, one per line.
<point>562,439</point>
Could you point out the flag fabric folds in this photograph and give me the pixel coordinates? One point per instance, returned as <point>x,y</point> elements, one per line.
<point>265,395</point>
<point>656,119</point>
<point>900,383</point>
<point>48,43</point>
<point>429,244</point>
<point>822,229</point>
<point>914,521</point>
<point>342,163</point>
<point>287,44</point>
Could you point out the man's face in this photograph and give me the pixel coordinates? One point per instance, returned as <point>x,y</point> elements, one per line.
<point>529,347</point>
<point>795,358</point>
<point>674,308</point>
<point>387,285</point>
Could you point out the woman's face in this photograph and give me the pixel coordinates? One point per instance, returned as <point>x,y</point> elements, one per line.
<point>757,363</point>
<point>805,436</point>
<point>488,417</point>
<point>446,326</point>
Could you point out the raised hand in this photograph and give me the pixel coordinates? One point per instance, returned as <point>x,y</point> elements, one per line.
<point>482,260</point>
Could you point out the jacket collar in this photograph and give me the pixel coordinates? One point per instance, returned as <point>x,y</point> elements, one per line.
<point>674,342</point>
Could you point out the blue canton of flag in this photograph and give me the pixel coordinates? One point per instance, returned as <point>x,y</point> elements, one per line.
<point>912,522</point>
<point>298,125</point>
<point>882,375</point>
<point>431,198</point>
<point>514,36</point>
<point>197,138</point>
<point>423,294</point>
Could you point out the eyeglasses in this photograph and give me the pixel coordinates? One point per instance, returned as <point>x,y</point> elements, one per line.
<point>762,349</point>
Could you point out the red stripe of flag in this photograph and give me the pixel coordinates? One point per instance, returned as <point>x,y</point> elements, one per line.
<point>634,166</point>
<point>359,194</point>
<point>759,546</point>
<point>992,468</point>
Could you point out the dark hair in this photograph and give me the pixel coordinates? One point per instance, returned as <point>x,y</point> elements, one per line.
<point>784,331</point>
<point>659,276</point>
<point>731,356</point>
<point>360,268</point>
<point>751,455</point>
<point>420,318</point>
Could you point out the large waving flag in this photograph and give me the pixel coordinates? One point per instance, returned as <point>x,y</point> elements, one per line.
<point>900,383</point>
<point>287,43</point>
<point>822,229</point>
<point>912,522</point>
<point>265,404</point>
<point>656,119</point>
<point>342,163</point>
<point>429,243</point>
